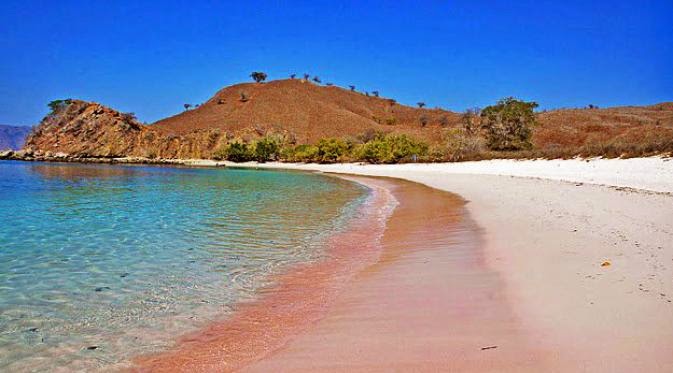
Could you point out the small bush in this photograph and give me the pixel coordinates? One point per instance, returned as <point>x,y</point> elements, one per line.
<point>461,145</point>
<point>423,120</point>
<point>369,134</point>
<point>235,152</point>
<point>266,149</point>
<point>220,153</point>
<point>508,124</point>
<point>58,105</point>
<point>301,153</point>
<point>391,149</point>
<point>470,121</point>
<point>258,76</point>
<point>332,150</point>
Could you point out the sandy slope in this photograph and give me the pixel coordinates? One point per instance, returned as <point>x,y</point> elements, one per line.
<point>548,240</point>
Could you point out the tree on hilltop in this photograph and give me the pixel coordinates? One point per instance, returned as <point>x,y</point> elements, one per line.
<point>187,106</point>
<point>352,87</point>
<point>317,79</point>
<point>420,104</point>
<point>375,93</point>
<point>292,76</point>
<point>306,76</point>
<point>258,76</point>
<point>58,105</point>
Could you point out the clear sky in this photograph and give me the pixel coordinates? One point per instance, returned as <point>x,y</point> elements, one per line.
<point>151,57</point>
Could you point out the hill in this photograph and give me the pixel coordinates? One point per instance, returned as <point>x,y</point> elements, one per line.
<point>306,112</point>
<point>13,137</point>
<point>297,112</point>
<point>630,130</point>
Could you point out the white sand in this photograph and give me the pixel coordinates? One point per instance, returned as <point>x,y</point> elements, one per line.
<point>548,240</point>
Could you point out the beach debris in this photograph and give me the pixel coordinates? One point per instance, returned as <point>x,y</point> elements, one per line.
<point>91,348</point>
<point>579,184</point>
<point>488,348</point>
<point>101,288</point>
<point>606,263</point>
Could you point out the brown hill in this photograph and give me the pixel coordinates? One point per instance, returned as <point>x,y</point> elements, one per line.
<point>610,132</point>
<point>302,112</point>
<point>306,112</point>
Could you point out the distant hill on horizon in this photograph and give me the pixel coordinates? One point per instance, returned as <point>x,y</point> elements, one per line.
<point>13,137</point>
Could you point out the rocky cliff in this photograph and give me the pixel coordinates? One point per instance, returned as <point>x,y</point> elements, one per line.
<point>90,130</point>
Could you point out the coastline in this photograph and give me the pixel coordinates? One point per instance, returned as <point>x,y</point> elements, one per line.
<point>587,266</point>
<point>547,236</point>
<point>299,297</point>
<point>423,299</point>
<point>431,303</point>
<point>654,174</point>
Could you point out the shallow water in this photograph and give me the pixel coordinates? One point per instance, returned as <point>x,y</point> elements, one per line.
<point>125,258</point>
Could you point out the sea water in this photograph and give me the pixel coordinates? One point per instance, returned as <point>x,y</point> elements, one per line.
<point>99,263</point>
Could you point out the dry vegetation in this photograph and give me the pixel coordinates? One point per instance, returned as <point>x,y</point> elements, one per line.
<point>308,113</point>
<point>302,120</point>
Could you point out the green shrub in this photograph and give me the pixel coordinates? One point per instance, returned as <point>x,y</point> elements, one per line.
<point>391,149</point>
<point>236,152</point>
<point>508,124</point>
<point>300,153</point>
<point>58,105</point>
<point>266,149</point>
<point>331,150</point>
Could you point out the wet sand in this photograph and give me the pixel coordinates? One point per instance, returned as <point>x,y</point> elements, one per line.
<point>413,295</point>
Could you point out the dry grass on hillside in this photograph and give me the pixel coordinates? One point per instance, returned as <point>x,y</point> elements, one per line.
<point>300,112</point>
<point>308,112</point>
<point>622,131</point>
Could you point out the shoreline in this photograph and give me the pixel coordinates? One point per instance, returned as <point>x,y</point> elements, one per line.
<point>548,236</point>
<point>653,174</point>
<point>588,266</point>
<point>431,303</point>
<point>423,299</point>
<point>298,298</point>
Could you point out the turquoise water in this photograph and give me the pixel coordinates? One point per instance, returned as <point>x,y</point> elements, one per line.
<point>99,263</point>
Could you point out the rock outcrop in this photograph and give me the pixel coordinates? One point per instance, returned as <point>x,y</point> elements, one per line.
<point>80,129</point>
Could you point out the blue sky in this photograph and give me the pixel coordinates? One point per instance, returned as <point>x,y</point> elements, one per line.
<point>151,57</point>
